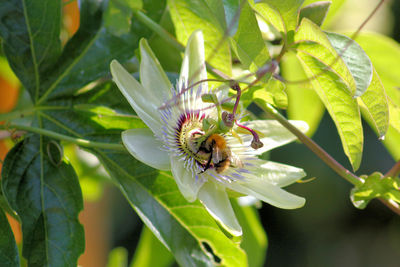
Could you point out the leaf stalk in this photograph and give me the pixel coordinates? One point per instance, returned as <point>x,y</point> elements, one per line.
<point>78,141</point>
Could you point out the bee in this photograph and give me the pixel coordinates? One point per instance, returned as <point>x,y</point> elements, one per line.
<point>220,156</point>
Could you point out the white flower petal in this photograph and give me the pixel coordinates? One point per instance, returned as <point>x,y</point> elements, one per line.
<point>144,147</point>
<point>271,133</point>
<point>281,174</point>
<point>152,76</point>
<point>187,183</point>
<point>215,199</point>
<point>193,66</point>
<point>275,173</point>
<point>268,192</point>
<point>134,93</point>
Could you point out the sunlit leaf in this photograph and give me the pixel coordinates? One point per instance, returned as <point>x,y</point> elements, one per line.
<point>248,43</point>
<point>334,85</point>
<point>309,34</point>
<point>273,92</point>
<point>374,106</point>
<point>355,59</point>
<point>282,14</point>
<point>316,12</point>
<point>388,68</point>
<point>208,16</point>
<point>376,186</point>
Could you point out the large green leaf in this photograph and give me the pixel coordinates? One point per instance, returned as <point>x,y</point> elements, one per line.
<point>31,39</point>
<point>282,14</point>
<point>248,42</point>
<point>45,193</point>
<point>374,106</point>
<point>8,248</point>
<point>333,10</point>
<point>334,84</point>
<point>356,60</point>
<point>387,66</point>
<point>186,229</point>
<point>369,87</point>
<point>208,16</point>
<point>310,34</point>
<point>86,56</point>
<point>316,12</point>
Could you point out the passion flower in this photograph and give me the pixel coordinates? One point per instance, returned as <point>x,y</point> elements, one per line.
<point>184,137</point>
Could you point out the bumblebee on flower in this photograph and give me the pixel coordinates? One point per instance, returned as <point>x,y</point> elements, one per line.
<point>208,151</point>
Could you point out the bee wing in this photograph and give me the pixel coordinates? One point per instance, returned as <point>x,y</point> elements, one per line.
<point>216,155</point>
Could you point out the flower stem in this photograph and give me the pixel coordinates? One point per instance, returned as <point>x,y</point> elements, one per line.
<point>16,114</point>
<point>78,141</point>
<point>394,171</point>
<point>314,147</point>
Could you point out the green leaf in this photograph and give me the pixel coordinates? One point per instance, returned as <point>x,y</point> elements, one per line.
<point>149,246</point>
<point>98,111</point>
<point>374,106</point>
<point>316,12</point>
<point>47,197</point>
<point>303,102</point>
<point>9,255</point>
<point>254,237</point>
<point>355,58</point>
<point>376,186</point>
<point>208,16</point>
<point>86,56</point>
<point>333,85</point>
<point>333,10</point>
<point>310,35</point>
<point>282,14</point>
<point>117,19</point>
<point>184,228</point>
<point>232,11</point>
<point>386,65</point>
<point>30,31</point>
<point>169,56</point>
<point>274,92</point>
<point>248,43</point>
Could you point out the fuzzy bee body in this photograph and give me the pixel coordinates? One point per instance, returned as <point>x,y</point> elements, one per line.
<point>220,156</point>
